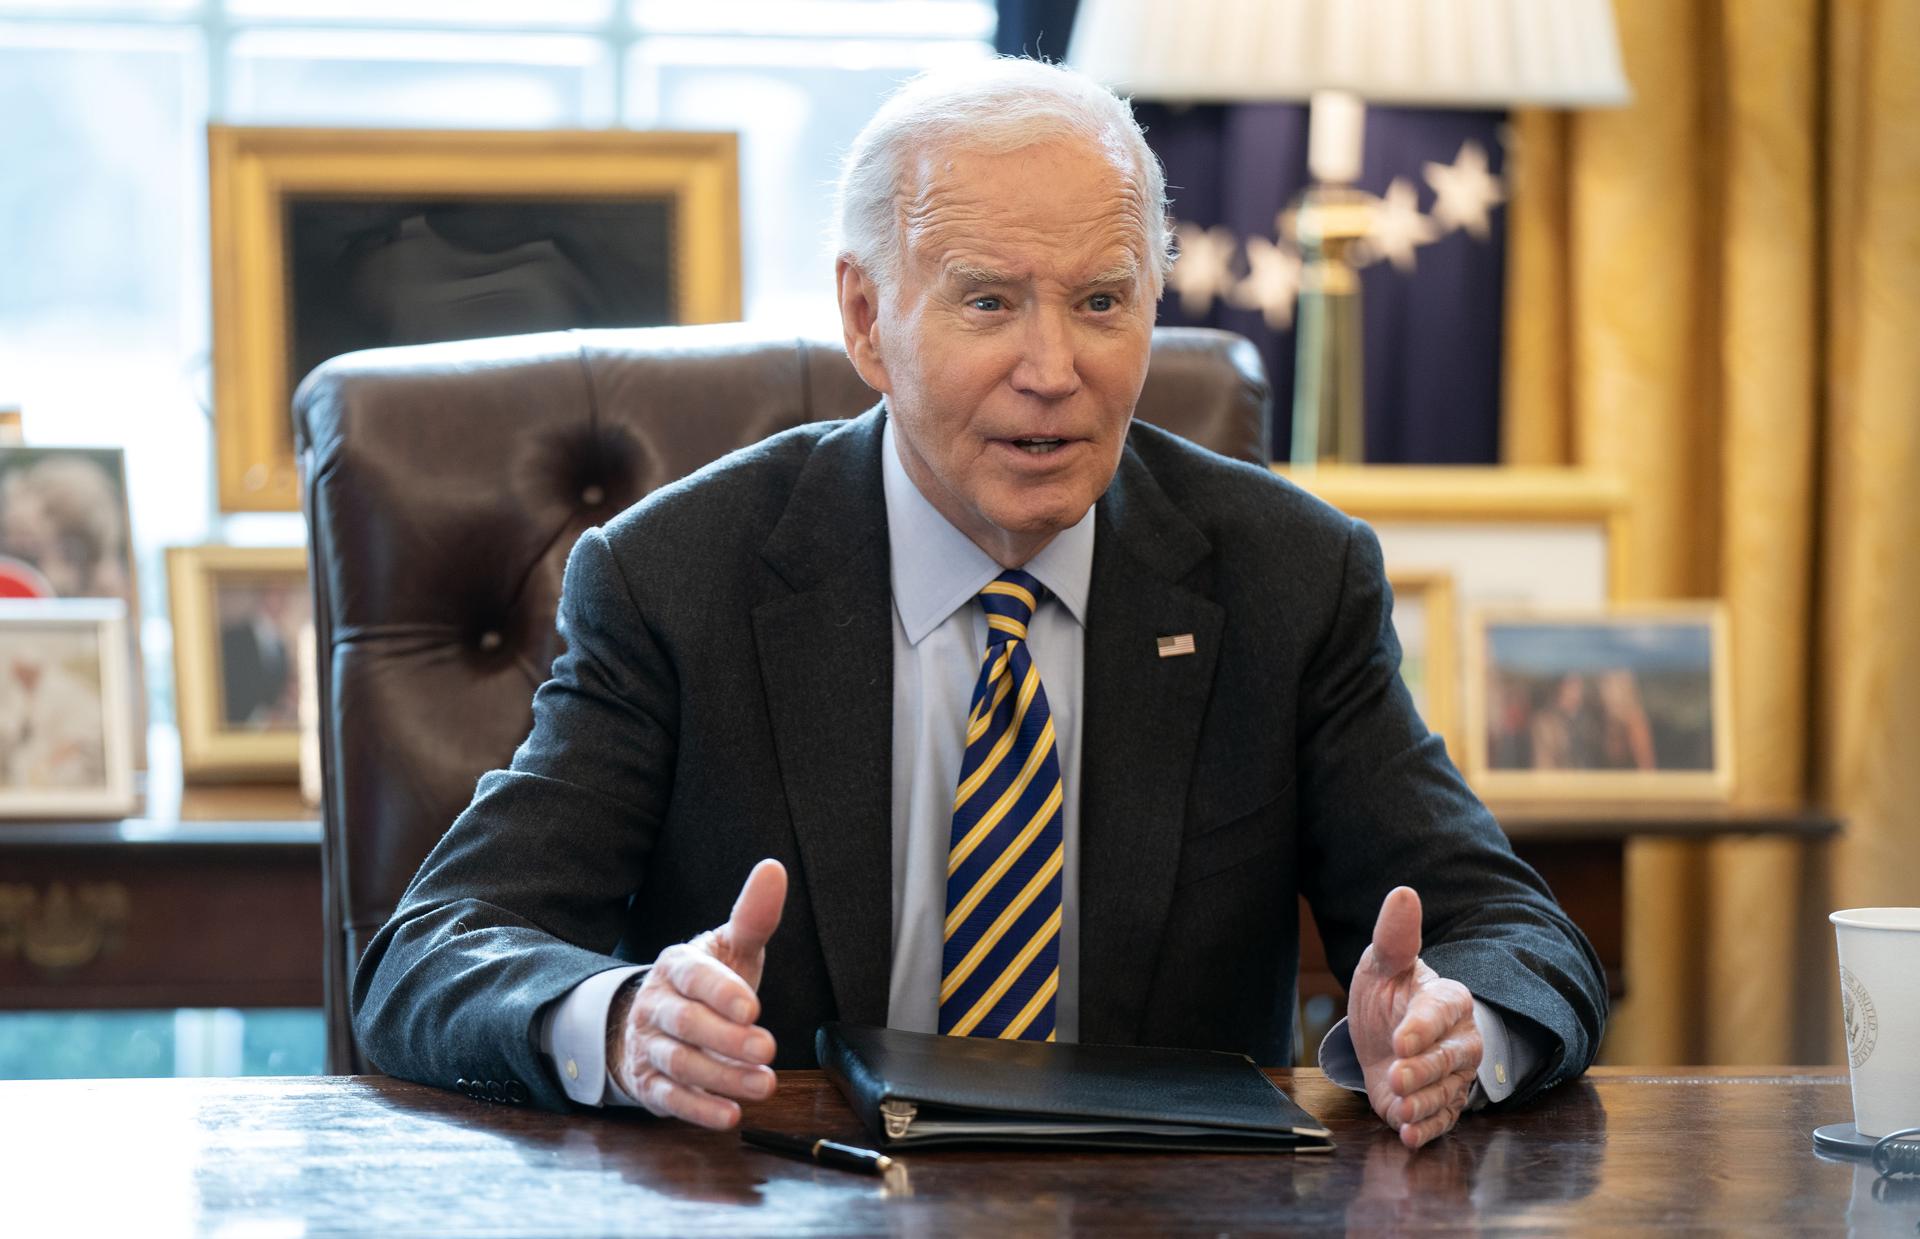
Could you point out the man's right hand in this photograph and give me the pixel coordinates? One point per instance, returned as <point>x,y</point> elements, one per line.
<point>683,1042</point>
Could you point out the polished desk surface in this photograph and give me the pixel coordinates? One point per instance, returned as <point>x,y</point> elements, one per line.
<point>1620,1151</point>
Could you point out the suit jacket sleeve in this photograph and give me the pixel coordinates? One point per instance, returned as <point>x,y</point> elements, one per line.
<point>527,893</point>
<point>1382,806</point>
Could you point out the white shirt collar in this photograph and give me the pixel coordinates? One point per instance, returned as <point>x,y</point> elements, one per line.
<point>937,569</point>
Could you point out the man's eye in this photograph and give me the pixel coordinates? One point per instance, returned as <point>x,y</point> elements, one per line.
<point>985,303</point>
<point>1100,303</point>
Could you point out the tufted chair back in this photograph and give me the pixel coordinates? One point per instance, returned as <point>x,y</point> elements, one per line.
<point>443,487</point>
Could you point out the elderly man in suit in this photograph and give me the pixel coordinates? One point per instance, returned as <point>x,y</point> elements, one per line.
<point>1026,720</point>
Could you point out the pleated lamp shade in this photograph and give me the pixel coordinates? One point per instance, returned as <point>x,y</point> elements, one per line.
<point>1437,53</point>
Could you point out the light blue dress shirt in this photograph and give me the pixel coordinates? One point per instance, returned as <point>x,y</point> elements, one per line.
<point>939,635</point>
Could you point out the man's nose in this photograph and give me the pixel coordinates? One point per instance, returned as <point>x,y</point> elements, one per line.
<point>1048,367</point>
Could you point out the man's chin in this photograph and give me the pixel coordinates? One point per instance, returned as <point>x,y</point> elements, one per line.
<point>1029,524</point>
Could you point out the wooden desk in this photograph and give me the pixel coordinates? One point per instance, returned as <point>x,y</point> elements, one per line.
<point>1621,1152</point>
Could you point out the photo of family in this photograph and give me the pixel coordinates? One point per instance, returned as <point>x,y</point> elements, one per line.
<point>1630,699</point>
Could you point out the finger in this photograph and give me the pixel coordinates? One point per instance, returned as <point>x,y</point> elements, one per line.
<point>1413,1135</point>
<point>1436,1009</point>
<point>1396,934</point>
<point>699,976</point>
<point>1423,1104</point>
<point>689,1065</point>
<point>1459,1051</point>
<point>701,1026</point>
<point>665,1097</point>
<point>756,914</point>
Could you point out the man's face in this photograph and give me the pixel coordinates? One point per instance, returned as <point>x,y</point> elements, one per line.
<point>1014,342</point>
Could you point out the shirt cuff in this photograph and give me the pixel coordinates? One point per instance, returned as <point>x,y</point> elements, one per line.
<point>573,1036</point>
<point>1506,1058</point>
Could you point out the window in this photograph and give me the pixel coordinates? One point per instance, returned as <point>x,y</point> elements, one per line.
<point>104,301</point>
<point>104,319</point>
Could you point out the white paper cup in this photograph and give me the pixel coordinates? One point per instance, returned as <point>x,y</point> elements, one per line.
<point>1880,1007</point>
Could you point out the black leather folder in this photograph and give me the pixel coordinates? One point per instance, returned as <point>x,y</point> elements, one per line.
<point>918,1089</point>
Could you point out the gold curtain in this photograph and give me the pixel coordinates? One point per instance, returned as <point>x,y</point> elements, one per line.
<point>1715,293</point>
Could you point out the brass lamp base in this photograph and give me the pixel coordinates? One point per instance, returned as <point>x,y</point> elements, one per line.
<point>1329,403</point>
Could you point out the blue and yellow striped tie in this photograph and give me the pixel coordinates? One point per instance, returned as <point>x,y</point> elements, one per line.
<point>1001,966</point>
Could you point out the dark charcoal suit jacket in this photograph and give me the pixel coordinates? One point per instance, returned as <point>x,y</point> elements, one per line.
<point>726,694</point>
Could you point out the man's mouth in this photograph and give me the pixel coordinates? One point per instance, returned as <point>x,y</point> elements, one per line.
<point>1037,447</point>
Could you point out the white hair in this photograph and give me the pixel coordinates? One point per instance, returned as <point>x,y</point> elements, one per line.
<point>994,107</point>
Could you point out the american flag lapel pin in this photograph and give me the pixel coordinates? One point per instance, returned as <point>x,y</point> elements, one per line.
<point>1176,645</point>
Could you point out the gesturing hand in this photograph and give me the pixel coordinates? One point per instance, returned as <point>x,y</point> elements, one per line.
<point>683,1042</point>
<point>1413,1030</point>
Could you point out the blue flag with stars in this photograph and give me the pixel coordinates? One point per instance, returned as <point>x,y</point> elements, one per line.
<point>1433,272</point>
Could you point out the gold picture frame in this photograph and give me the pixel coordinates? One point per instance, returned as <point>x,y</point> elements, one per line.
<point>264,181</point>
<point>237,615</point>
<point>1634,701</point>
<point>1429,662</point>
<point>1475,495</point>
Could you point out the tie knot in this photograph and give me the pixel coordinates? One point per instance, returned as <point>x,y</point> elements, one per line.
<point>1010,600</point>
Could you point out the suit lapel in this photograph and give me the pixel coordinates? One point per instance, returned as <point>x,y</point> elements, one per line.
<point>1143,715</point>
<point>826,661</point>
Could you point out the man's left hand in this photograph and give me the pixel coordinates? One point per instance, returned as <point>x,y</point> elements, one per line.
<point>1412,1029</point>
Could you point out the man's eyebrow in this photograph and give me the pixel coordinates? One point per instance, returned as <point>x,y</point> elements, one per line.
<point>968,273</point>
<point>1120,273</point>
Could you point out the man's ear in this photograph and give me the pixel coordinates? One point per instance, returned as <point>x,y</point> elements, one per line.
<point>860,322</point>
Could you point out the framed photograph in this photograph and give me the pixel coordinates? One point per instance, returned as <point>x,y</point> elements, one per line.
<point>238,612</point>
<point>1504,537</point>
<point>65,533</point>
<point>66,709</point>
<point>1423,619</point>
<point>12,429</point>
<point>1623,703</point>
<point>325,241</point>
<point>64,529</point>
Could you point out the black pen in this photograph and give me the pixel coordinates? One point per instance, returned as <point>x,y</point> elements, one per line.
<point>826,1152</point>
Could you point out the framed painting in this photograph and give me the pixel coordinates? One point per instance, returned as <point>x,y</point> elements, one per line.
<point>325,241</point>
<point>238,612</point>
<point>66,709</point>
<point>1621,703</point>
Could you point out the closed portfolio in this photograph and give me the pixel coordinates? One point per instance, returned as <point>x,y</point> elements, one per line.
<point>919,1089</point>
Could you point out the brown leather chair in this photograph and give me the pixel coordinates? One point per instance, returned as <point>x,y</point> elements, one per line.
<point>445,484</point>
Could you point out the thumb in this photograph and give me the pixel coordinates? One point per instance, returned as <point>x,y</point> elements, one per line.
<point>756,913</point>
<point>1396,935</point>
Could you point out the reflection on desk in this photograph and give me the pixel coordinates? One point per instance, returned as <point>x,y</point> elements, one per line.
<point>1619,1151</point>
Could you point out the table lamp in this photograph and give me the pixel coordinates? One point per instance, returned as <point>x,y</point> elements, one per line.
<point>1335,54</point>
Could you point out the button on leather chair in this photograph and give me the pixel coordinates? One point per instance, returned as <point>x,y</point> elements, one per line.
<point>443,487</point>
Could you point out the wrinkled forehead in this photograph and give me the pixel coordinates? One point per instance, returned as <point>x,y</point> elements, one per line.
<point>1072,192</point>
